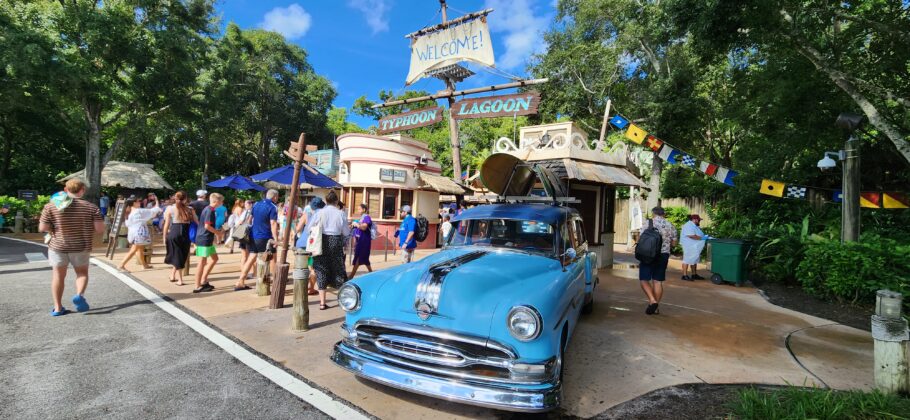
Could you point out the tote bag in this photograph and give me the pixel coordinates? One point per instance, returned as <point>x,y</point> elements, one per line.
<point>314,240</point>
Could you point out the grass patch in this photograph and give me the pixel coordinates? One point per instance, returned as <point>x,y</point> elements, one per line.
<point>808,403</point>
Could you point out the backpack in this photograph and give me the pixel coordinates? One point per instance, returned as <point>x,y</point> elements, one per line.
<point>647,250</point>
<point>423,228</point>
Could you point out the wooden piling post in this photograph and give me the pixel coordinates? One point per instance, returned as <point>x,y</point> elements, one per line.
<point>891,338</point>
<point>263,277</point>
<point>301,315</point>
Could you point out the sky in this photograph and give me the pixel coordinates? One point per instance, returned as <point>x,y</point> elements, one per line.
<point>359,44</point>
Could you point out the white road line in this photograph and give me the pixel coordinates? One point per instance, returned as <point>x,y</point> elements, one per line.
<point>301,389</point>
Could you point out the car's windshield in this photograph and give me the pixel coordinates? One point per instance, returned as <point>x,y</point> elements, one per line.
<point>526,235</point>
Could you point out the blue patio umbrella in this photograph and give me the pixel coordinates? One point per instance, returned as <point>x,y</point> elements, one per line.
<point>308,175</point>
<point>237,182</point>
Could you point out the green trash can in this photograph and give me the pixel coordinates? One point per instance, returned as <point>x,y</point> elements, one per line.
<point>728,260</point>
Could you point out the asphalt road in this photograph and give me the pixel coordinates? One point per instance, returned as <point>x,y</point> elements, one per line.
<point>125,358</point>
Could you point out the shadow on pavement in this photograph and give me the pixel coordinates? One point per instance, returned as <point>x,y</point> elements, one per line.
<point>25,270</point>
<point>109,309</point>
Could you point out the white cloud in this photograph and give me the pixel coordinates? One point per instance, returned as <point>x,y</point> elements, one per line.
<point>374,11</point>
<point>293,22</point>
<point>522,30</point>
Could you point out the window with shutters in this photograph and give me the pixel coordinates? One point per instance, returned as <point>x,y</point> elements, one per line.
<point>374,197</point>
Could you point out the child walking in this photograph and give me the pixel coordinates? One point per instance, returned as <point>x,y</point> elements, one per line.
<point>205,243</point>
<point>137,230</point>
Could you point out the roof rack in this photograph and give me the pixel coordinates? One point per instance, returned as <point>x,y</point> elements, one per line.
<point>538,199</point>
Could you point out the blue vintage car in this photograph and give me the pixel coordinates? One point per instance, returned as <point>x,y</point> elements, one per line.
<point>484,321</point>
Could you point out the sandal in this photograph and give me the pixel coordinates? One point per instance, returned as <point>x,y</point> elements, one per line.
<point>62,311</point>
<point>312,292</point>
<point>323,307</point>
<point>651,308</point>
<point>244,287</point>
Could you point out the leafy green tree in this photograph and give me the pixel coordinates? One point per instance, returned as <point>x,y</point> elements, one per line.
<point>860,46</point>
<point>338,124</point>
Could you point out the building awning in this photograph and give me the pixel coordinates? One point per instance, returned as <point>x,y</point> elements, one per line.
<point>593,172</point>
<point>127,175</point>
<point>439,183</point>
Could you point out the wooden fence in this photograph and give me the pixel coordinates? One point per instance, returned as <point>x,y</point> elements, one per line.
<point>622,223</point>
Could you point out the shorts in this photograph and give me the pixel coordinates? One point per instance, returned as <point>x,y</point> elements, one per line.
<point>407,255</point>
<point>205,251</point>
<point>257,246</point>
<point>63,259</point>
<point>654,271</point>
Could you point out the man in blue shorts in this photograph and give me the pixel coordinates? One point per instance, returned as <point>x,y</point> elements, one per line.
<point>652,275</point>
<point>263,230</point>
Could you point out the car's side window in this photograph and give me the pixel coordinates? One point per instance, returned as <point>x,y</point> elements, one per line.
<point>579,233</point>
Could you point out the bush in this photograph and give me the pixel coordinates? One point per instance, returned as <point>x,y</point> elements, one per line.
<point>855,270</point>
<point>29,209</point>
<point>803,403</point>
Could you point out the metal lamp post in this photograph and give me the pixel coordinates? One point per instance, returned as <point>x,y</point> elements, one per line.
<point>850,220</point>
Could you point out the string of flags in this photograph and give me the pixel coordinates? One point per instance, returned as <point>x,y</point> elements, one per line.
<point>672,154</point>
<point>867,199</point>
<point>675,156</point>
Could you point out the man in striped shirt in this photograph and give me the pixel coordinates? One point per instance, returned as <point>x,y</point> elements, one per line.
<point>72,227</point>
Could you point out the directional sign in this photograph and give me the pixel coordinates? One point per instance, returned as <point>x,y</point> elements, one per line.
<point>411,119</point>
<point>497,106</point>
<point>28,195</point>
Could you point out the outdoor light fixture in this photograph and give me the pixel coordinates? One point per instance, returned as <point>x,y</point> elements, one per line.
<point>827,163</point>
<point>888,304</point>
<point>849,121</point>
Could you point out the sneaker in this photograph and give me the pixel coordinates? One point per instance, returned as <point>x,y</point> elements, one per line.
<point>686,278</point>
<point>697,277</point>
<point>201,289</point>
<point>207,287</point>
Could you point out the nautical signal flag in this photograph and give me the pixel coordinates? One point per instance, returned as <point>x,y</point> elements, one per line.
<point>636,134</point>
<point>619,122</point>
<point>796,192</point>
<point>708,168</point>
<point>668,153</point>
<point>772,188</point>
<point>688,160</point>
<point>838,196</point>
<point>725,175</point>
<point>895,200</point>
<point>654,143</point>
<point>872,200</point>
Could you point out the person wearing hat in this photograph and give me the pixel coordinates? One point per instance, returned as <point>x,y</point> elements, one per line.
<point>200,203</point>
<point>405,234</point>
<point>652,275</point>
<point>692,240</point>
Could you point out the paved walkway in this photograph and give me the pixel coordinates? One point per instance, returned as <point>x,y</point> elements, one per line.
<point>124,358</point>
<point>704,333</point>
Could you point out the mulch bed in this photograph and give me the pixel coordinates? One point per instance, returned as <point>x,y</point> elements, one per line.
<point>793,297</point>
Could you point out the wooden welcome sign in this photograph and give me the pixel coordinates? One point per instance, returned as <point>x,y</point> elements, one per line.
<point>497,106</point>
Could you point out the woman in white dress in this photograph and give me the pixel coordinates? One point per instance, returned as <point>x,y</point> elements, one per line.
<point>138,234</point>
<point>692,240</point>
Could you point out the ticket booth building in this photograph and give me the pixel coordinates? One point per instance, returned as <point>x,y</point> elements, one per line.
<point>386,173</point>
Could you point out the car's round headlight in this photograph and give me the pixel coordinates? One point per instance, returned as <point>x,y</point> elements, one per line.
<point>349,297</point>
<point>524,323</point>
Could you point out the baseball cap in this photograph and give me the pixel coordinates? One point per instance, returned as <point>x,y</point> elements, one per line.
<point>406,208</point>
<point>317,203</point>
<point>200,193</point>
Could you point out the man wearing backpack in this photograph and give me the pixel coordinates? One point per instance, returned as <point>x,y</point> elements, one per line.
<point>406,234</point>
<point>653,253</point>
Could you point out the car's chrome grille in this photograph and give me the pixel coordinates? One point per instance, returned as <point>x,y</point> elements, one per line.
<point>421,350</point>
<point>434,350</point>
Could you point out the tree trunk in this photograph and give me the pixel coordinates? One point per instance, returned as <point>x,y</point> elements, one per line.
<point>205,167</point>
<point>92,151</point>
<point>657,167</point>
<point>7,157</point>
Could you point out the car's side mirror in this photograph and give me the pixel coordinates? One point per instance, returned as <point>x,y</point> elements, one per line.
<point>568,256</point>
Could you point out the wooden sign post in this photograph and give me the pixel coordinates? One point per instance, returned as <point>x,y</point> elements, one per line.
<point>114,233</point>
<point>297,152</point>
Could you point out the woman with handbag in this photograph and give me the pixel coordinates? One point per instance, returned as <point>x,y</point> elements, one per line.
<point>328,234</point>
<point>303,230</point>
<point>362,230</point>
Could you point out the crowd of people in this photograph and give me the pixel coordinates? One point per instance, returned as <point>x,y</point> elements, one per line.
<point>200,226</point>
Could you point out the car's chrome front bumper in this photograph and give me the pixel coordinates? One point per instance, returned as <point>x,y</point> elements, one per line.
<point>512,397</point>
